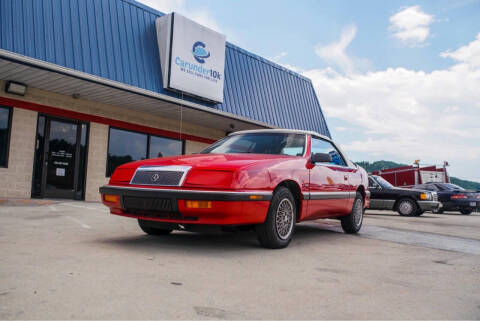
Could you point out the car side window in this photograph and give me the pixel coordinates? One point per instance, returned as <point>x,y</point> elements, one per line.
<point>430,187</point>
<point>322,146</point>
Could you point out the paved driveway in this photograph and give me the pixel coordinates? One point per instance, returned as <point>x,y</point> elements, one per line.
<point>73,260</point>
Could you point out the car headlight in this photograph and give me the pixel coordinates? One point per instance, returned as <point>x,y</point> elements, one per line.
<point>426,196</point>
<point>210,178</point>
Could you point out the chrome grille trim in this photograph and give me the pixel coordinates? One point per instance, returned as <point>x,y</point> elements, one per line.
<point>182,170</point>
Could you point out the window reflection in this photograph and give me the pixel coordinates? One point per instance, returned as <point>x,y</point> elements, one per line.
<point>324,147</point>
<point>4,133</point>
<point>123,147</point>
<point>126,146</point>
<point>163,147</point>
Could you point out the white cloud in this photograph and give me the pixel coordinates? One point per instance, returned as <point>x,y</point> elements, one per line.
<point>279,56</point>
<point>277,59</point>
<point>468,54</point>
<point>201,16</point>
<point>335,53</point>
<point>411,26</point>
<point>406,114</point>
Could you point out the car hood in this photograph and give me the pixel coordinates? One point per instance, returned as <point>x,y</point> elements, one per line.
<point>411,190</point>
<point>227,162</point>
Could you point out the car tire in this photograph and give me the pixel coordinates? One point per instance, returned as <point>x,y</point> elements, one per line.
<point>419,212</point>
<point>147,227</point>
<point>438,211</point>
<point>277,230</point>
<point>466,211</point>
<point>352,223</point>
<point>407,207</point>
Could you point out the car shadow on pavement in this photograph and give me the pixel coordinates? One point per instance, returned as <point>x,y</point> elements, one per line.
<point>428,216</point>
<point>213,242</point>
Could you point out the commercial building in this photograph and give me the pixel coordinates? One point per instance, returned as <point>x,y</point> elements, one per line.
<point>86,85</point>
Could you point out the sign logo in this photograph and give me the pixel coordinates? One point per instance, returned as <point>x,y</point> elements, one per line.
<point>199,52</point>
<point>155,177</point>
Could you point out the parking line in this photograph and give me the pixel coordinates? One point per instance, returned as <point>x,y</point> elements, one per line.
<point>79,206</point>
<point>79,222</point>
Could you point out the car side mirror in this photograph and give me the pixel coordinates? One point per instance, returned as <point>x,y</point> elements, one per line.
<point>320,158</point>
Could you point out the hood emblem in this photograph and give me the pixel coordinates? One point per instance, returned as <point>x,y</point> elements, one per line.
<point>155,177</point>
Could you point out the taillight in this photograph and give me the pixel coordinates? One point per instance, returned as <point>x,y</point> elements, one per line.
<point>458,196</point>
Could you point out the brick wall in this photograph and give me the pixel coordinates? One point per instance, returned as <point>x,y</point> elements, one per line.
<point>97,161</point>
<point>194,147</point>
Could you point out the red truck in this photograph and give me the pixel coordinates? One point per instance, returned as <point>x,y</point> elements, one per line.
<point>408,176</point>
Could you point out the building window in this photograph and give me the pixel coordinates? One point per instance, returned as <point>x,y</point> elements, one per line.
<point>163,147</point>
<point>5,127</point>
<point>127,146</point>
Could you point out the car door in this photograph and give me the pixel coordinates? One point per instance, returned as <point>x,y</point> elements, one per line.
<point>443,196</point>
<point>328,185</point>
<point>376,200</point>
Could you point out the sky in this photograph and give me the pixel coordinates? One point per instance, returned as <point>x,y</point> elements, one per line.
<point>397,80</point>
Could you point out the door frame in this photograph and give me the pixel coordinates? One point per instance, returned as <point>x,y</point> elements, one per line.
<point>44,166</point>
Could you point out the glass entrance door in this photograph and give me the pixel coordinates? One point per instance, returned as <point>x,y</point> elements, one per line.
<point>60,158</point>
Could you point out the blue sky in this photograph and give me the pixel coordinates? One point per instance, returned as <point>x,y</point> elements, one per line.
<point>397,80</point>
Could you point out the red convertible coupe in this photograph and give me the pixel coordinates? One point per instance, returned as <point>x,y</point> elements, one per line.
<point>265,179</point>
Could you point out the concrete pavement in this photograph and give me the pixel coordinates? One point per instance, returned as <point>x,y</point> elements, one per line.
<point>73,260</point>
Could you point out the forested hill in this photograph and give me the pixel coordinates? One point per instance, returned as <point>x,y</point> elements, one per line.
<point>378,165</point>
<point>383,164</point>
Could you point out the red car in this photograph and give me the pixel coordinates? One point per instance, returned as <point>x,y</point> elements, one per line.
<point>265,179</point>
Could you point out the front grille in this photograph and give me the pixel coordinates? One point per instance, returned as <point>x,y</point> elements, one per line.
<point>148,204</point>
<point>435,197</point>
<point>160,175</point>
<point>165,178</point>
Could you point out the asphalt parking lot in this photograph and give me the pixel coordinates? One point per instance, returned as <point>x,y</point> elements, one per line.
<point>73,260</point>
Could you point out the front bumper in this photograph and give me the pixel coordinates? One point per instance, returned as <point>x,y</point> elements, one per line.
<point>428,205</point>
<point>169,205</point>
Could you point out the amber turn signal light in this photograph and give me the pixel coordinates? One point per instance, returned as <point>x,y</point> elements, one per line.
<point>111,198</point>
<point>198,204</point>
<point>256,197</point>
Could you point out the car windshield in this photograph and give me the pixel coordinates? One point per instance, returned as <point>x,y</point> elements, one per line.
<point>382,182</point>
<point>260,143</point>
<point>450,187</point>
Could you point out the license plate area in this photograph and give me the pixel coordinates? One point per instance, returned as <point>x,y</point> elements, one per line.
<point>149,204</point>
<point>473,204</point>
